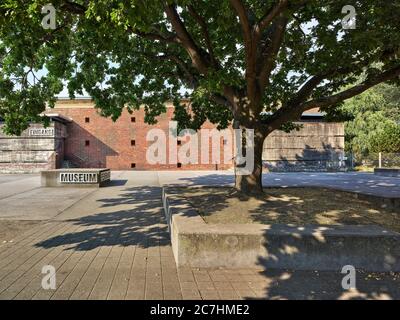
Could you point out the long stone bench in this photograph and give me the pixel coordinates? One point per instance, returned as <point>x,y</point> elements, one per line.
<point>75,177</point>
<point>387,172</point>
<point>198,244</point>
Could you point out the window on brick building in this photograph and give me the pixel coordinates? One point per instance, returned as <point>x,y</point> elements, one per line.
<point>87,143</point>
<point>179,142</point>
<point>179,165</point>
<point>133,165</point>
<point>87,119</point>
<point>133,142</point>
<point>133,119</point>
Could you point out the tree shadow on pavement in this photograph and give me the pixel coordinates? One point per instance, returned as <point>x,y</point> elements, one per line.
<point>142,224</point>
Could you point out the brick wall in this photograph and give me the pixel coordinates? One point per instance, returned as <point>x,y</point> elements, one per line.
<point>95,141</point>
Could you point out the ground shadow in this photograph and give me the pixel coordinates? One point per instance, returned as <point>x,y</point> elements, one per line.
<point>142,225</point>
<point>116,183</point>
<point>300,247</point>
<point>85,150</point>
<point>327,158</point>
<point>295,205</point>
<point>298,284</point>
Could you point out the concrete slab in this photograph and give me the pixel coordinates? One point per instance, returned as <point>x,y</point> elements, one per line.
<point>310,247</point>
<point>128,216</point>
<point>21,183</point>
<point>360,182</point>
<point>40,203</point>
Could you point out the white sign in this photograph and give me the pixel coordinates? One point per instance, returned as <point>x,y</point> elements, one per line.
<point>41,132</point>
<point>78,177</point>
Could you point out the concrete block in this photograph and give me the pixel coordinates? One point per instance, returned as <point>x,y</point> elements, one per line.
<point>27,144</point>
<point>25,156</point>
<point>312,247</point>
<point>387,172</point>
<point>75,178</point>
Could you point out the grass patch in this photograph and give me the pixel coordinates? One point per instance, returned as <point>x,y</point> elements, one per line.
<point>297,206</point>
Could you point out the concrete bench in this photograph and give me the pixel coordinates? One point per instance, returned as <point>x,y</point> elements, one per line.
<point>75,177</point>
<point>201,245</point>
<point>387,172</point>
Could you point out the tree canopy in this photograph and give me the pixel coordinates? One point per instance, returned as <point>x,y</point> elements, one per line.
<point>372,117</point>
<point>259,63</point>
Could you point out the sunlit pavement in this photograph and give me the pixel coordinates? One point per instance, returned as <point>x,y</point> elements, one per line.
<point>113,243</point>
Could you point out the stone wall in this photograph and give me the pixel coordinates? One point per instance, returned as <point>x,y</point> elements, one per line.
<point>37,149</point>
<point>318,146</point>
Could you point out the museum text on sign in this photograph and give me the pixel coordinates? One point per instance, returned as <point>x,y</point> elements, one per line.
<point>81,177</point>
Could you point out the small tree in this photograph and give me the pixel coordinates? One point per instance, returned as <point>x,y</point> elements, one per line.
<point>258,64</point>
<point>387,139</point>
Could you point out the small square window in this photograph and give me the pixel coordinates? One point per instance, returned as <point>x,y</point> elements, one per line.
<point>179,142</point>
<point>87,143</point>
<point>87,120</point>
<point>133,142</point>
<point>179,165</point>
<point>133,119</point>
<point>224,141</point>
<point>133,165</point>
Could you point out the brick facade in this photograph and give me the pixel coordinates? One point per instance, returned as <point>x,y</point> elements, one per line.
<point>98,142</point>
<point>89,140</point>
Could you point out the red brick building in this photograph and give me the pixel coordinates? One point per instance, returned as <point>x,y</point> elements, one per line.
<point>89,140</point>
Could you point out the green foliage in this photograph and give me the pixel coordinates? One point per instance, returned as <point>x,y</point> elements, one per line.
<point>386,139</point>
<point>99,48</point>
<point>374,111</point>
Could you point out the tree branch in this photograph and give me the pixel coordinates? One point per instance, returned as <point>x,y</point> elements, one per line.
<point>73,7</point>
<point>171,38</point>
<point>349,93</point>
<point>206,34</point>
<point>271,51</point>
<point>196,54</point>
<point>270,15</point>
<point>242,13</point>
<point>292,112</point>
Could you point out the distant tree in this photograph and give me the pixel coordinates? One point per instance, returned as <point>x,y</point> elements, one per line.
<point>386,139</point>
<point>370,112</point>
<point>258,64</point>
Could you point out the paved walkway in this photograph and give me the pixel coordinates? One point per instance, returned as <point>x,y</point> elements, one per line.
<point>113,243</point>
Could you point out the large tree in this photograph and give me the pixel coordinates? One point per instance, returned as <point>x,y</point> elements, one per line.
<point>257,64</point>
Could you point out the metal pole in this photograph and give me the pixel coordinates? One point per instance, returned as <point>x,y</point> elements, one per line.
<point>380,159</point>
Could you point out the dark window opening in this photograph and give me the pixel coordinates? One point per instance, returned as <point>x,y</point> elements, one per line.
<point>179,142</point>
<point>133,142</point>
<point>179,165</point>
<point>133,165</point>
<point>87,143</point>
<point>87,120</point>
<point>133,119</point>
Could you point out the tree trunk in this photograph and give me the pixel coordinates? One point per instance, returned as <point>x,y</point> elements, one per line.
<point>252,183</point>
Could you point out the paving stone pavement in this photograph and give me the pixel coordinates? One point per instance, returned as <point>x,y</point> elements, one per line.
<point>113,243</point>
